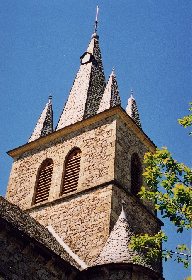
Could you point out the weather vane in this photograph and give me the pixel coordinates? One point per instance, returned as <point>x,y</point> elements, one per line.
<point>96,20</point>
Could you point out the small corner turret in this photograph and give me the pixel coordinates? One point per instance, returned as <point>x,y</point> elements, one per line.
<point>116,249</point>
<point>132,110</point>
<point>111,97</point>
<point>44,124</point>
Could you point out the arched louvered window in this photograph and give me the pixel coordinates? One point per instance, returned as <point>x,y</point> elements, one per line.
<point>43,182</point>
<point>136,174</point>
<point>71,171</point>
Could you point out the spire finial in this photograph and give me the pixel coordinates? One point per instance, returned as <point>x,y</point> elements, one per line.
<point>132,93</point>
<point>96,20</point>
<point>50,99</point>
<point>123,204</point>
<point>123,215</point>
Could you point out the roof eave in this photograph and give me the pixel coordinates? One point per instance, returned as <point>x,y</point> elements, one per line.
<point>118,110</point>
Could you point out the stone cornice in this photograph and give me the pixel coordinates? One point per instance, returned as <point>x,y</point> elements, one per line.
<point>90,189</point>
<point>112,112</point>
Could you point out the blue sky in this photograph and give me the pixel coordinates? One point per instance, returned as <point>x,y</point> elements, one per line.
<point>148,42</point>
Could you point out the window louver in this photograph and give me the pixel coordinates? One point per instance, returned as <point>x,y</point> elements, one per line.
<point>72,169</point>
<point>136,174</point>
<point>44,181</point>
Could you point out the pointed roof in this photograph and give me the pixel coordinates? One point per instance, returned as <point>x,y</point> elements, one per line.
<point>116,248</point>
<point>132,110</point>
<point>87,89</point>
<point>111,96</point>
<point>44,125</point>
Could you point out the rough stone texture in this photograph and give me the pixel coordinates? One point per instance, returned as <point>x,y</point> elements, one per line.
<point>107,274</point>
<point>140,219</point>
<point>127,143</point>
<point>82,221</point>
<point>44,125</point>
<point>85,217</point>
<point>21,260</point>
<point>119,272</point>
<point>111,96</point>
<point>97,144</point>
<point>87,89</point>
<point>26,225</point>
<point>116,249</point>
<point>28,250</point>
<point>106,148</point>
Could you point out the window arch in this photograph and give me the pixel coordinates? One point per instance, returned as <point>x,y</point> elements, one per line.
<point>71,171</point>
<point>136,174</point>
<point>43,182</point>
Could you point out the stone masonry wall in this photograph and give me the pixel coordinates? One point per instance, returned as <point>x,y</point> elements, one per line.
<point>127,143</point>
<point>85,221</point>
<point>21,259</point>
<point>105,274</point>
<point>97,143</point>
<point>119,272</point>
<point>84,218</point>
<point>82,221</point>
<point>139,218</point>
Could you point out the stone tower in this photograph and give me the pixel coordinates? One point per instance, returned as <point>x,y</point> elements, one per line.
<point>75,178</point>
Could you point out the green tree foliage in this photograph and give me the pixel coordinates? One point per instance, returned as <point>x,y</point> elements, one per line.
<point>187,120</point>
<point>168,186</point>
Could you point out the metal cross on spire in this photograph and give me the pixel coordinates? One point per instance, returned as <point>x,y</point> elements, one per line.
<point>96,20</point>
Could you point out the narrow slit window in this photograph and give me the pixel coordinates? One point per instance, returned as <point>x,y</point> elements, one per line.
<point>136,174</point>
<point>71,171</point>
<point>44,181</point>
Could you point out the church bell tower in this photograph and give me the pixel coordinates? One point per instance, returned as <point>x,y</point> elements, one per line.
<point>74,178</point>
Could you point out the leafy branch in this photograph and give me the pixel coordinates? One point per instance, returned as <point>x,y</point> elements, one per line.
<point>187,120</point>
<point>150,247</point>
<point>168,186</point>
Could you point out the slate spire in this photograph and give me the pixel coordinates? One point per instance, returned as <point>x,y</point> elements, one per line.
<point>88,86</point>
<point>44,125</point>
<point>116,248</point>
<point>111,96</point>
<point>132,110</point>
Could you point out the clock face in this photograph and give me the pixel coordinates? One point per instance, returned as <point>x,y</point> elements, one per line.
<point>86,58</point>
